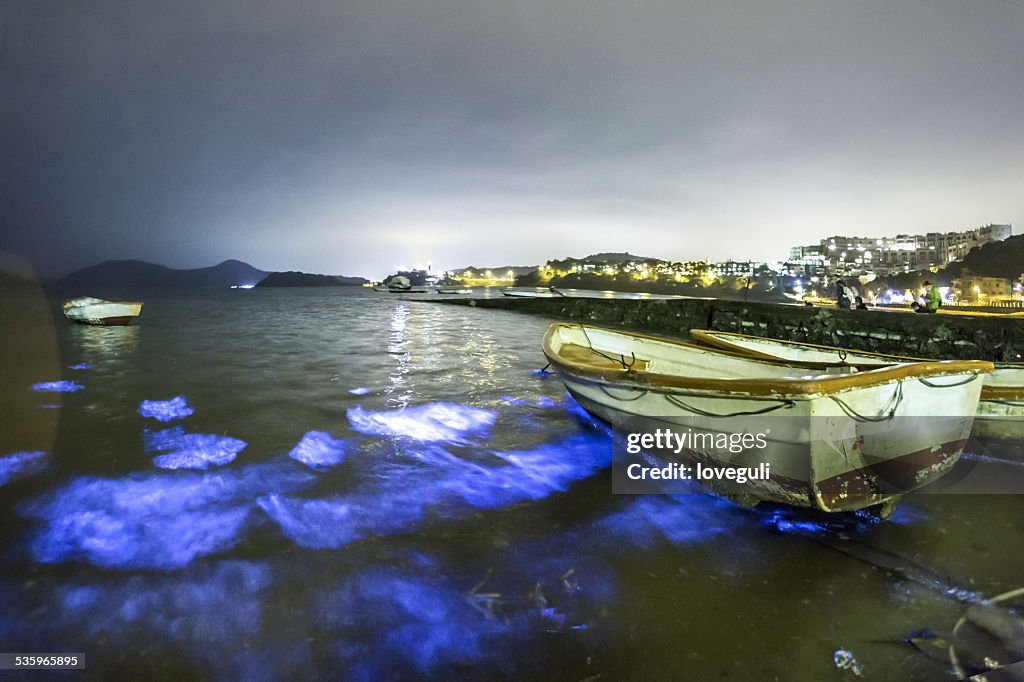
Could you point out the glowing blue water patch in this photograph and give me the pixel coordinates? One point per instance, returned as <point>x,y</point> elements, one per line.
<point>110,541</point>
<point>49,406</point>
<point>319,450</point>
<point>545,401</point>
<point>57,387</point>
<point>682,520</point>
<point>445,422</point>
<point>791,522</point>
<point>201,451</point>
<point>166,410</point>
<point>80,366</point>
<point>163,440</point>
<point>329,524</point>
<point>215,605</point>
<point>406,493</point>
<point>359,390</point>
<point>417,626</point>
<point>21,464</point>
<point>159,521</point>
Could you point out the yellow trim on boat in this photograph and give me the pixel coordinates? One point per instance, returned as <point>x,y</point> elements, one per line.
<point>719,340</point>
<point>604,371</point>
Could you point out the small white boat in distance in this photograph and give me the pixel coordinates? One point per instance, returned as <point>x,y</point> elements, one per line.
<point>89,310</point>
<point>453,290</point>
<point>532,293</point>
<point>839,438</point>
<point>1000,410</point>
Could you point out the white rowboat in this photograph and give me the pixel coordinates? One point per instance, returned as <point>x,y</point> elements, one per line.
<point>1000,410</point>
<point>839,437</point>
<point>89,310</point>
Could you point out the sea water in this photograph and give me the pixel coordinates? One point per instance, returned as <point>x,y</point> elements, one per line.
<point>336,483</point>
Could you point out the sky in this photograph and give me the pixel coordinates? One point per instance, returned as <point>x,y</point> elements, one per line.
<point>355,137</point>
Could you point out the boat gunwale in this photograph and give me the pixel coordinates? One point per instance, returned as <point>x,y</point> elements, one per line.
<point>96,301</point>
<point>755,387</point>
<point>712,337</point>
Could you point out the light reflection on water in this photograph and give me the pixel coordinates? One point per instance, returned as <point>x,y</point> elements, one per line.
<point>455,517</point>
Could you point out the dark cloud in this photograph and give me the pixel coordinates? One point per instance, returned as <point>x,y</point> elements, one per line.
<point>353,137</point>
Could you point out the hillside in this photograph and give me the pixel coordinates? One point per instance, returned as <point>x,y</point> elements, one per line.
<point>997,259</point>
<point>137,274</point>
<point>305,279</point>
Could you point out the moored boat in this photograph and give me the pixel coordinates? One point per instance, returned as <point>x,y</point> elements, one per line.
<point>402,285</point>
<point>89,310</point>
<point>453,290</point>
<point>1000,409</point>
<point>551,292</point>
<point>844,442</point>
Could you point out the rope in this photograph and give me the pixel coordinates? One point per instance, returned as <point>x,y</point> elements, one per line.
<point>679,403</point>
<point>842,355</point>
<point>962,383</point>
<point>621,359</point>
<point>895,400</point>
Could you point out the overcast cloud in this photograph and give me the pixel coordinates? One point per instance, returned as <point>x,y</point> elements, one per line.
<point>352,137</point>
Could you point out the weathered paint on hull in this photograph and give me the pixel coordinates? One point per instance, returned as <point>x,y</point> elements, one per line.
<point>845,491</point>
<point>107,321</point>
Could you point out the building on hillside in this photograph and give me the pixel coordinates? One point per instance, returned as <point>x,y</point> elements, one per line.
<point>902,253</point>
<point>971,288</point>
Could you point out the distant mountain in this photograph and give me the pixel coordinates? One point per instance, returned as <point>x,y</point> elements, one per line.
<point>614,258</point>
<point>138,274</point>
<point>305,279</point>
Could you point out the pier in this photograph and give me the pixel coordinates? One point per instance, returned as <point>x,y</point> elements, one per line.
<point>997,338</point>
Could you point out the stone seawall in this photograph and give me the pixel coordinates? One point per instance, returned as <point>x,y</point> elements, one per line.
<point>882,331</point>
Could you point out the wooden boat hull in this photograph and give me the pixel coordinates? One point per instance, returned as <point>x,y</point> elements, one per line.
<point>99,312</point>
<point>819,456</point>
<point>1000,409</point>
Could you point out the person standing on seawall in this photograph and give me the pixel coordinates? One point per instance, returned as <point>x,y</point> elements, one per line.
<point>933,298</point>
<point>842,300</point>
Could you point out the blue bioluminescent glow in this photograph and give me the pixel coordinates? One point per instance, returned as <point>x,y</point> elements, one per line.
<point>160,520</point>
<point>49,406</point>
<point>21,464</point>
<point>446,422</point>
<point>545,401</point>
<point>329,524</point>
<point>217,605</point>
<point>319,450</point>
<point>359,390</point>
<point>791,521</point>
<point>166,410</point>
<point>57,387</point>
<point>405,493</point>
<point>680,520</point>
<point>163,440</point>
<point>80,366</point>
<point>110,541</point>
<point>201,451</point>
<point>420,625</point>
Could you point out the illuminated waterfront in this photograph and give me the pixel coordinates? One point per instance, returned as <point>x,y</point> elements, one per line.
<point>356,485</point>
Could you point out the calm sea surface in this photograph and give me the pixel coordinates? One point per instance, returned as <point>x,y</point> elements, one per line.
<point>392,490</point>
